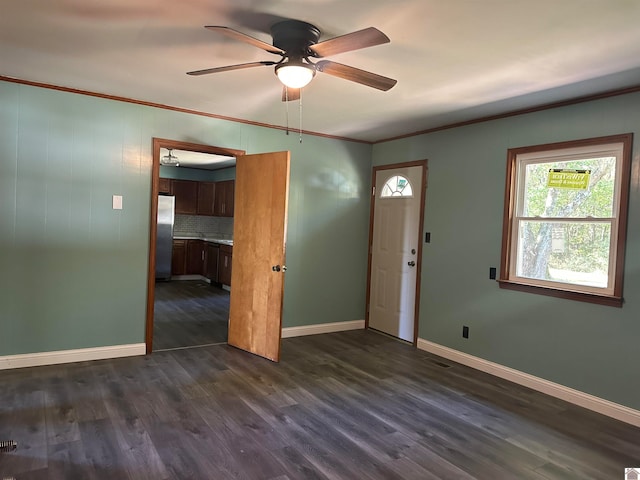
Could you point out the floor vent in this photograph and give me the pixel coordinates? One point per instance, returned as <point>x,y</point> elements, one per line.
<point>441,364</point>
<point>8,446</point>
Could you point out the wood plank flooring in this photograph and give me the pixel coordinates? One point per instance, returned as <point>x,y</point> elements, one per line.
<point>189,313</point>
<point>349,405</point>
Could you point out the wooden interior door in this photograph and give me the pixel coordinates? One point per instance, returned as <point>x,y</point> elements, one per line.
<point>259,239</point>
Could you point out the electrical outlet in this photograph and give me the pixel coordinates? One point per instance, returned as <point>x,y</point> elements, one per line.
<point>465,332</point>
<point>492,273</point>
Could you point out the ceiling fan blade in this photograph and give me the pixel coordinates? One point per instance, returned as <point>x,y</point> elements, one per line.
<point>290,94</point>
<point>239,66</point>
<point>368,37</point>
<point>355,75</point>
<point>229,32</point>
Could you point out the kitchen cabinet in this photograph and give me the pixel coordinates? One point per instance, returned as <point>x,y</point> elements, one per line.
<point>178,257</point>
<point>164,186</point>
<point>206,195</point>
<point>186,193</point>
<point>201,198</point>
<point>223,204</point>
<point>229,198</point>
<point>195,257</point>
<point>213,252</point>
<point>199,257</point>
<point>224,266</point>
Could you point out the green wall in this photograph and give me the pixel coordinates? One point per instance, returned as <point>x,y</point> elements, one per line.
<point>74,271</point>
<point>583,346</point>
<point>198,174</point>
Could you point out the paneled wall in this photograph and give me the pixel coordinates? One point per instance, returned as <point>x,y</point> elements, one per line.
<point>74,271</point>
<point>587,347</point>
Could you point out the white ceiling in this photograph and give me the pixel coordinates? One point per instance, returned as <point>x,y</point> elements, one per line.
<point>455,60</point>
<point>203,161</point>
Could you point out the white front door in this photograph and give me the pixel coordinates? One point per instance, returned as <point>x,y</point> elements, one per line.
<point>395,250</point>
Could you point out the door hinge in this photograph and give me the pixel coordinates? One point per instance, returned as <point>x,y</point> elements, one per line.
<point>373,191</point>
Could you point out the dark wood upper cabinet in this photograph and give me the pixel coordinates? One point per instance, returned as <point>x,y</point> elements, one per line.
<point>201,198</point>
<point>186,193</point>
<point>218,204</point>
<point>230,198</point>
<point>224,198</point>
<point>164,185</point>
<point>206,194</point>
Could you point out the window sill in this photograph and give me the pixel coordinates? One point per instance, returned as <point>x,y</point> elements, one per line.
<point>607,300</point>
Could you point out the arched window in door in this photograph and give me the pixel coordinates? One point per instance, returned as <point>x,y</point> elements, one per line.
<point>396,187</point>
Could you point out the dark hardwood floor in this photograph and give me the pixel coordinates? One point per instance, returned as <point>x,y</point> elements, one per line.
<point>189,313</point>
<point>349,405</point>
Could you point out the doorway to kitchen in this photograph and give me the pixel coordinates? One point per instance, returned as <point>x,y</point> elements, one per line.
<point>187,293</point>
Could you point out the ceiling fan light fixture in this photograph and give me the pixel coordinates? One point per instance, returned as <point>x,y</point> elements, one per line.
<point>295,74</point>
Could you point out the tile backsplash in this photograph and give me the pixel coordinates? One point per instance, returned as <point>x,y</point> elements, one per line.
<point>221,227</point>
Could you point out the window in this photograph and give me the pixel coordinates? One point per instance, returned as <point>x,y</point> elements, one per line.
<point>397,186</point>
<point>564,226</point>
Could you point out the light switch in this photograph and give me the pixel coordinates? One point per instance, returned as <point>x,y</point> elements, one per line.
<point>117,202</point>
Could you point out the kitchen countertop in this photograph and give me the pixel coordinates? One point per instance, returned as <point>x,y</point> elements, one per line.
<point>222,241</point>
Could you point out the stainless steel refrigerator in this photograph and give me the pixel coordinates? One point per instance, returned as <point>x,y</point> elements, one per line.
<point>164,238</point>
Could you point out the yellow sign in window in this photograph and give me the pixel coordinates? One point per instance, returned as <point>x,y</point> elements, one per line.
<point>572,179</point>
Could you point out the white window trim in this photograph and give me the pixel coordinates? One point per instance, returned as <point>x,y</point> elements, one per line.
<point>618,146</point>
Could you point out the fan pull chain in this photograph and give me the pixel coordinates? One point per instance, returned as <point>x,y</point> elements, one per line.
<point>301,114</point>
<point>286,103</point>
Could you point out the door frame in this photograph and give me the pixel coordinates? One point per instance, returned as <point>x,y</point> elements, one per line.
<point>157,144</point>
<point>423,191</point>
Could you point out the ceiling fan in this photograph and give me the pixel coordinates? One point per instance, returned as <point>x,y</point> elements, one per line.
<point>296,42</point>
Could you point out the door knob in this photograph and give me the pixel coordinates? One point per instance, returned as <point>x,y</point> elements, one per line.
<point>276,268</point>
<point>411,263</point>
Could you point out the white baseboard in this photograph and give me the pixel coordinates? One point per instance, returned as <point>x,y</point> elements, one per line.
<point>289,332</point>
<point>68,356</point>
<point>591,402</point>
